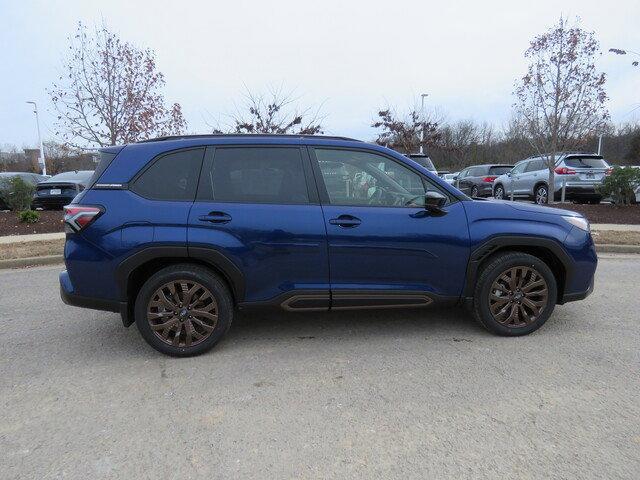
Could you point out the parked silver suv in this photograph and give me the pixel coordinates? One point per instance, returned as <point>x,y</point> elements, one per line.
<point>580,173</point>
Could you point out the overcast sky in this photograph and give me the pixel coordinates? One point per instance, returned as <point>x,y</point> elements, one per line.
<point>348,57</point>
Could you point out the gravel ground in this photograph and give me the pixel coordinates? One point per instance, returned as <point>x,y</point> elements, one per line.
<point>370,394</point>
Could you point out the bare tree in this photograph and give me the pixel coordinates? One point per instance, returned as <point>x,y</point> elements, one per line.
<point>110,93</point>
<point>561,99</point>
<point>620,51</point>
<point>273,113</point>
<point>403,133</point>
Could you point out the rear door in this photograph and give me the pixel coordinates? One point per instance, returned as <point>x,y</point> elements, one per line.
<point>383,250</point>
<point>257,207</point>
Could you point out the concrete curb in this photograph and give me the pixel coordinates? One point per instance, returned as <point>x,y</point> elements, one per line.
<point>31,261</point>
<point>53,259</point>
<point>612,248</point>
<point>37,237</point>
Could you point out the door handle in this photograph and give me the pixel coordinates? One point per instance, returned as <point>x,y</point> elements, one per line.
<point>346,221</point>
<point>215,217</point>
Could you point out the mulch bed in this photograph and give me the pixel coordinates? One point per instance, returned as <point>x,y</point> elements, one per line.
<point>605,212</point>
<point>50,222</point>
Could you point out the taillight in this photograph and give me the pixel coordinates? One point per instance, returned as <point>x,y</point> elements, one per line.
<point>489,179</point>
<point>564,171</point>
<point>79,217</point>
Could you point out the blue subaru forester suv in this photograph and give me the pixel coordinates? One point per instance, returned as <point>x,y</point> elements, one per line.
<point>178,232</point>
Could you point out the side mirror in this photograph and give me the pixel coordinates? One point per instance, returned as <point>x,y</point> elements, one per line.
<point>434,201</point>
<point>455,177</point>
<point>508,174</point>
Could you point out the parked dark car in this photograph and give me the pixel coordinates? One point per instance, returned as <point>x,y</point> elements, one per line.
<point>58,191</point>
<point>176,234</point>
<point>477,180</point>
<point>5,179</point>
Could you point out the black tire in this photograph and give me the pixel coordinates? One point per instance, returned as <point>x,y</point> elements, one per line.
<point>474,192</point>
<point>541,195</point>
<point>495,267</point>
<point>595,201</point>
<point>498,192</point>
<point>190,273</point>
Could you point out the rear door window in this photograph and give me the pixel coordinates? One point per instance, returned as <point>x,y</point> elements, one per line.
<point>254,175</point>
<point>585,162</point>
<point>173,176</point>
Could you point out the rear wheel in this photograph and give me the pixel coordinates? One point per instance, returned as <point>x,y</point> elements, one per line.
<point>541,195</point>
<point>515,294</point>
<point>183,310</point>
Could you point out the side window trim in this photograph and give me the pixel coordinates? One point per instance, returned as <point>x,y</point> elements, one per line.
<point>209,160</point>
<point>322,189</point>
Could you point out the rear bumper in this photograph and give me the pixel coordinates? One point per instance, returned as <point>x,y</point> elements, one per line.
<point>70,298</point>
<point>51,202</point>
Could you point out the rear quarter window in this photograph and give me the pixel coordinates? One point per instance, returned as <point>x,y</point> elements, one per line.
<point>172,176</point>
<point>105,160</point>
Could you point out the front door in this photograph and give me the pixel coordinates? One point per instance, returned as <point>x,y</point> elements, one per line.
<point>255,207</point>
<point>382,250</point>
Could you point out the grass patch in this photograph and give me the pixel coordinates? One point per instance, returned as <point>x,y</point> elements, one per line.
<point>31,249</point>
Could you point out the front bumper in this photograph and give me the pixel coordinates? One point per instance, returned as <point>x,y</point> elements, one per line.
<point>574,297</point>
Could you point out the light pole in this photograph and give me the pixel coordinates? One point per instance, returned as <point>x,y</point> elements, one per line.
<point>42,164</point>
<point>423,96</point>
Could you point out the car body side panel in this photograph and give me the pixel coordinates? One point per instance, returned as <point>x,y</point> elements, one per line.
<point>494,218</point>
<point>129,224</point>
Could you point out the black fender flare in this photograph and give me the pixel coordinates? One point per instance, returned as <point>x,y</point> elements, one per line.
<point>499,241</point>
<point>207,255</point>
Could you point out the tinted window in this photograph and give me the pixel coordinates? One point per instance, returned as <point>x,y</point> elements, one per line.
<point>254,175</point>
<point>173,176</point>
<point>361,178</point>
<point>499,170</point>
<point>585,162</point>
<point>425,162</point>
<point>478,171</point>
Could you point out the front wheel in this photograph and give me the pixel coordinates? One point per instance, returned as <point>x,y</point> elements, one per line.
<point>515,294</point>
<point>474,192</point>
<point>498,193</point>
<point>183,310</point>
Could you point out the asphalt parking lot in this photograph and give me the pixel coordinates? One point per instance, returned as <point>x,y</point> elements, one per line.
<point>370,394</point>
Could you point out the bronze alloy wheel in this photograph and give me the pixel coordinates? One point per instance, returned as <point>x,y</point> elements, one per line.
<point>182,313</point>
<point>518,296</point>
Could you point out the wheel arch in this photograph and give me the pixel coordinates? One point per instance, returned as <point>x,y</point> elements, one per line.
<point>547,250</point>
<point>137,268</point>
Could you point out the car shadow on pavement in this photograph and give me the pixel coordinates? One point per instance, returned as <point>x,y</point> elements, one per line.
<point>344,326</point>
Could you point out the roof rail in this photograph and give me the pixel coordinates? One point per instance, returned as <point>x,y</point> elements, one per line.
<point>254,135</point>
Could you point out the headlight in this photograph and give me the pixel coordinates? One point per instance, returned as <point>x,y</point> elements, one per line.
<point>580,222</point>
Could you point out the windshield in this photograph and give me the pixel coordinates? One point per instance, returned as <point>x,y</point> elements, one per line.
<point>585,162</point>
<point>499,170</point>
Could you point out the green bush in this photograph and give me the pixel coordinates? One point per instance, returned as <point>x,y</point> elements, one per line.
<point>620,185</point>
<point>17,194</point>
<point>28,216</point>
